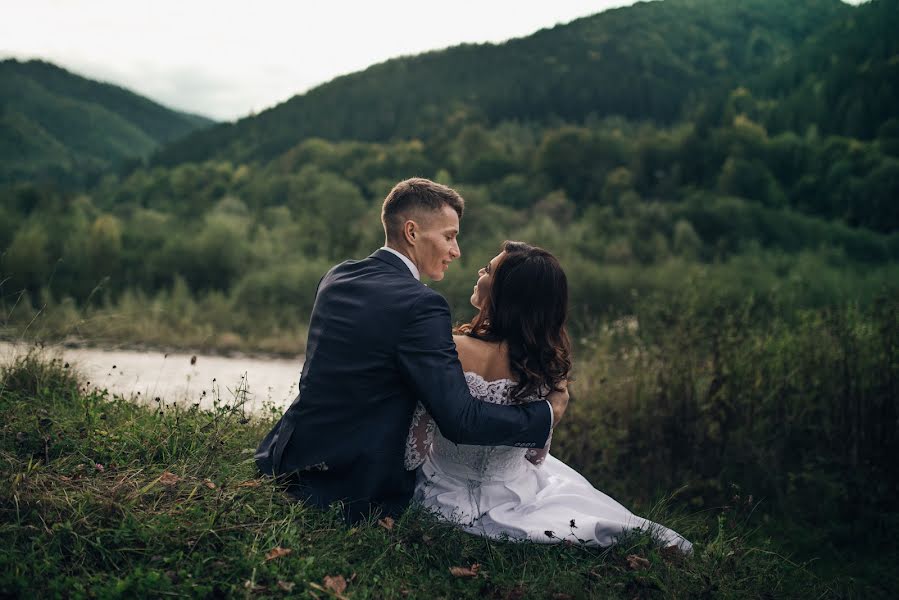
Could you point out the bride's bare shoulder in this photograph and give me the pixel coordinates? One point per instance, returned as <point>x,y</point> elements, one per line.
<point>487,359</point>
<point>466,351</point>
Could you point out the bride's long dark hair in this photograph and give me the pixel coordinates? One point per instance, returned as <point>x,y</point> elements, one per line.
<point>527,308</point>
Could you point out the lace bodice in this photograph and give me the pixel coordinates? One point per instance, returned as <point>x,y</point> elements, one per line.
<point>475,462</point>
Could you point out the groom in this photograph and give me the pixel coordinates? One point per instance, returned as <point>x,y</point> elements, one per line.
<point>380,340</point>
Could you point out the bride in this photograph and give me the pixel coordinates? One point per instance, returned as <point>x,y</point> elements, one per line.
<point>516,350</point>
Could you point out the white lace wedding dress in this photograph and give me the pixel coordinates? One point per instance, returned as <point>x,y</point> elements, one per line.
<point>516,493</point>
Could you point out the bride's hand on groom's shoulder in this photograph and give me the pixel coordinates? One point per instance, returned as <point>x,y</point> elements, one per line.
<point>559,402</point>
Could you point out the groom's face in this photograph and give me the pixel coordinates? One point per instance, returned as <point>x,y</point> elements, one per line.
<point>436,245</point>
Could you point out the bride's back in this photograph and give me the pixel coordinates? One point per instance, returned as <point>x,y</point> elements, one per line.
<point>490,379</point>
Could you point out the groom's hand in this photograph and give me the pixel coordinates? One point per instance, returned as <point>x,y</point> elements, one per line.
<point>559,402</point>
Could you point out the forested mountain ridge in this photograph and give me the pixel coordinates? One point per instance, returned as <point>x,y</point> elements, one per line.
<point>844,79</point>
<point>650,61</point>
<point>707,182</point>
<point>56,124</point>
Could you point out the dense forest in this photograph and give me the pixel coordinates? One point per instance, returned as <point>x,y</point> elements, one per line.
<point>724,174</point>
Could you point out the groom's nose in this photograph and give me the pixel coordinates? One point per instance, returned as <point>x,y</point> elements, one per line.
<point>455,252</point>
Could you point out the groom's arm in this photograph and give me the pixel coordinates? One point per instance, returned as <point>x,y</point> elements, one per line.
<point>427,357</point>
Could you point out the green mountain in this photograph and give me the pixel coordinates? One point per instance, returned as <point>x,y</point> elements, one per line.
<point>55,124</point>
<point>653,60</point>
<point>844,79</point>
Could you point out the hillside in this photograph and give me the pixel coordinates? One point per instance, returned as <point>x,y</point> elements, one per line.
<point>56,124</point>
<point>649,61</point>
<point>844,79</point>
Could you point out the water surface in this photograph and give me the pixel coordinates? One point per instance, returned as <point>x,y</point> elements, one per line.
<point>178,376</point>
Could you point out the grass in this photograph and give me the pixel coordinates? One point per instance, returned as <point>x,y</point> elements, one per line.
<point>170,320</point>
<point>796,410</point>
<point>106,498</point>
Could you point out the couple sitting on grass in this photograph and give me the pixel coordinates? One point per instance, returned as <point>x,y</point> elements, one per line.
<point>392,407</point>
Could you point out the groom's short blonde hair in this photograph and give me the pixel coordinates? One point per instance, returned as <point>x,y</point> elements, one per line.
<point>414,198</point>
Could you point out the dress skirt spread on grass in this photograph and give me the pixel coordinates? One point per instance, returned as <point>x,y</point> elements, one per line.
<point>515,493</point>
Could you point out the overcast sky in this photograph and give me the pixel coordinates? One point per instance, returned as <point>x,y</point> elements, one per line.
<point>226,59</point>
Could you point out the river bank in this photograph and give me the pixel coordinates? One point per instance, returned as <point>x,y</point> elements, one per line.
<point>166,322</point>
<point>175,376</point>
<point>129,345</point>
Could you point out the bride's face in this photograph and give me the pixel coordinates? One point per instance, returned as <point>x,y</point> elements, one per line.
<point>485,280</point>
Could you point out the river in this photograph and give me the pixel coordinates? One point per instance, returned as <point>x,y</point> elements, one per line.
<point>178,376</point>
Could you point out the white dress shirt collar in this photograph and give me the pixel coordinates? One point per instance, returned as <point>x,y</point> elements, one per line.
<point>406,260</point>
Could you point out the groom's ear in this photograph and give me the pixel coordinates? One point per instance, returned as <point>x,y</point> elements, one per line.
<point>410,229</point>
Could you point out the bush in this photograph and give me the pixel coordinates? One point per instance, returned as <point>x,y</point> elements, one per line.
<point>288,289</point>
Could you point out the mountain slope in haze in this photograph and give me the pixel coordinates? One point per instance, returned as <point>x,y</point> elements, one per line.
<point>651,61</point>
<point>56,124</point>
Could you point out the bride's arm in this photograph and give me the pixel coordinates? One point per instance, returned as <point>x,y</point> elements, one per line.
<point>419,439</point>
<point>421,430</point>
<point>538,455</point>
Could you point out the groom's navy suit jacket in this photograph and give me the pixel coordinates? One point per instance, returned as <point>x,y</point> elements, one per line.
<point>379,340</point>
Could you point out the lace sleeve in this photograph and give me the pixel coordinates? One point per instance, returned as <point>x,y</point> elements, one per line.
<point>420,438</point>
<point>538,455</point>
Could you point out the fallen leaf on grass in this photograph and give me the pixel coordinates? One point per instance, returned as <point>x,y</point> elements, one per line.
<point>471,571</point>
<point>249,483</point>
<point>168,478</point>
<point>328,591</point>
<point>637,563</point>
<point>277,552</point>
<point>285,586</point>
<point>209,484</point>
<point>248,585</point>
<point>336,584</point>
<point>386,523</point>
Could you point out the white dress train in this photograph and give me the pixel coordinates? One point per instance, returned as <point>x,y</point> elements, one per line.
<point>515,493</point>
